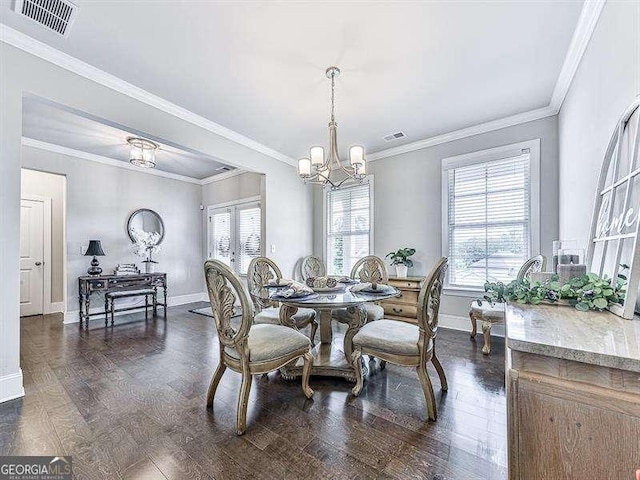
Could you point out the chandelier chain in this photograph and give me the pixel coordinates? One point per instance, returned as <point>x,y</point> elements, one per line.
<point>333,94</point>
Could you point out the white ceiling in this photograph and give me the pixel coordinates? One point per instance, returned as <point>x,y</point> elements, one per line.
<point>53,124</point>
<point>425,68</point>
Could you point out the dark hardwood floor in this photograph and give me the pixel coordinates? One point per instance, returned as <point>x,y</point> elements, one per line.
<point>129,402</point>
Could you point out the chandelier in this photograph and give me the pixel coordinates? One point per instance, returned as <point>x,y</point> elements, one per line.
<point>142,152</point>
<point>330,170</point>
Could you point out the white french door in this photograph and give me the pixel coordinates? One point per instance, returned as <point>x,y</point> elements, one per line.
<point>235,234</point>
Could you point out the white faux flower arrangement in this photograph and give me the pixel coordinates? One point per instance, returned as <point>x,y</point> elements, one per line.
<point>146,244</point>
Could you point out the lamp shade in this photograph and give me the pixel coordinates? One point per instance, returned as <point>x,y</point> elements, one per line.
<point>95,249</point>
<point>304,167</point>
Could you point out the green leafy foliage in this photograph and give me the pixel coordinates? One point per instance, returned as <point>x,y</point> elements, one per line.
<point>588,292</point>
<point>401,257</point>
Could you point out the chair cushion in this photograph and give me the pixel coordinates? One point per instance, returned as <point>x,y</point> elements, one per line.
<point>391,336</point>
<point>269,342</point>
<point>271,316</point>
<point>374,312</point>
<point>487,311</point>
<point>129,293</point>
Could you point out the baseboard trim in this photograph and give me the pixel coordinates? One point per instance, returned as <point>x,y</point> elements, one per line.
<point>72,317</point>
<point>56,307</point>
<point>463,324</point>
<point>11,386</point>
<point>190,298</point>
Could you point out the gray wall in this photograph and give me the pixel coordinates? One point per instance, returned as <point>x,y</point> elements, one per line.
<point>246,185</point>
<point>287,228</point>
<point>607,81</point>
<point>408,202</point>
<point>52,186</point>
<point>100,199</point>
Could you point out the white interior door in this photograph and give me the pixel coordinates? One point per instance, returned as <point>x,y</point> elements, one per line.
<point>235,235</point>
<point>31,257</point>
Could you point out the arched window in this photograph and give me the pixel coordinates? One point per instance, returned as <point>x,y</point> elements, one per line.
<point>614,227</point>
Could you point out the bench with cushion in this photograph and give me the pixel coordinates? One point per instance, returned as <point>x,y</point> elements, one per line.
<point>110,301</point>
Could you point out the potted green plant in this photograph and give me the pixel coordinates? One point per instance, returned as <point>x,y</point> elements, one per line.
<point>401,260</point>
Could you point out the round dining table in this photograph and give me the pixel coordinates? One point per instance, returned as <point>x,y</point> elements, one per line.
<point>332,356</point>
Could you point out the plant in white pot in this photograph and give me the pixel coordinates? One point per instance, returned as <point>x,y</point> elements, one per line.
<point>146,244</point>
<point>401,260</point>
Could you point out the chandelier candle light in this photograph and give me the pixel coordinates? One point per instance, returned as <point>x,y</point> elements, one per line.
<point>143,152</point>
<point>330,170</point>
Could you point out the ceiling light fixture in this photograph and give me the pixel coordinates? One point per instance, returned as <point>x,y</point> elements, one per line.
<point>330,170</point>
<point>143,152</point>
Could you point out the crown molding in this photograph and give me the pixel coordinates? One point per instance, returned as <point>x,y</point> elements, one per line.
<point>587,22</point>
<point>465,132</point>
<point>222,176</point>
<point>42,50</point>
<point>51,147</point>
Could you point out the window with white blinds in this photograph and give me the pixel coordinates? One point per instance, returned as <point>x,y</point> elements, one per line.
<point>348,227</point>
<point>489,218</point>
<point>248,235</point>
<point>220,247</point>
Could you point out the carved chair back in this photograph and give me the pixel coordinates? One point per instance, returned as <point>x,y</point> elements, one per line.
<point>370,269</point>
<point>224,289</point>
<point>534,264</point>
<point>312,266</point>
<point>429,299</point>
<point>262,270</point>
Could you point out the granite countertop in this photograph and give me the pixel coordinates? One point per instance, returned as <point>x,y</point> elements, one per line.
<point>598,338</point>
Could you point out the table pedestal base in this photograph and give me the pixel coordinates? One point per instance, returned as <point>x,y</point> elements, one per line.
<point>328,361</point>
<point>329,356</point>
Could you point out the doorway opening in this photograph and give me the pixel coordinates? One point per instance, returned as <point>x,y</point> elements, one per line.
<point>43,287</point>
<point>235,223</point>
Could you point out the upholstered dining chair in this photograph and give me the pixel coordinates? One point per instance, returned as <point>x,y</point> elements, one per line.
<point>406,344</point>
<point>312,266</point>
<point>489,314</point>
<point>368,269</point>
<point>247,348</point>
<point>261,271</point>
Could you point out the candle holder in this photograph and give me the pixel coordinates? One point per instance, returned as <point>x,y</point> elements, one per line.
<point>570,264</point>
<point>558,247</point>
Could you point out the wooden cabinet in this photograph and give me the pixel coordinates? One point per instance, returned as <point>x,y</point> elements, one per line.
<point>404,307</point>
<point>573,394</point>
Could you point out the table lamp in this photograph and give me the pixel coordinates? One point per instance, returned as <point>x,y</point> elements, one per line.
<point>95,250</point>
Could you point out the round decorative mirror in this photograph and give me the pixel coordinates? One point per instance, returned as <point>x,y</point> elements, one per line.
<point>147,223</point>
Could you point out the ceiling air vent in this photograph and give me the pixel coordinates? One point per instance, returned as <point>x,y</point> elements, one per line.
<point>394,136</point>
<point>224,168</point>
<point>56,15</point>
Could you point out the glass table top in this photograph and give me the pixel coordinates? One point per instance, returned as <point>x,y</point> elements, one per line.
<point>340,299</point>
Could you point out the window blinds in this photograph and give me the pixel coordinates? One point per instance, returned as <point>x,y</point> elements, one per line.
<point>248,235</point>
<point>221,247</point>
<point>348,227</point>
<point>489,221</point>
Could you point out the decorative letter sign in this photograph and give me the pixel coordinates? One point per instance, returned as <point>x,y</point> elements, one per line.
<point>614,228</point>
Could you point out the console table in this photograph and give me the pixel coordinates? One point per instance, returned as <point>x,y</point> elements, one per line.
<point>90,284</point>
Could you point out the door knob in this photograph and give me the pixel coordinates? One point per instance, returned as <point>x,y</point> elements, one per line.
<point>38,264</point>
